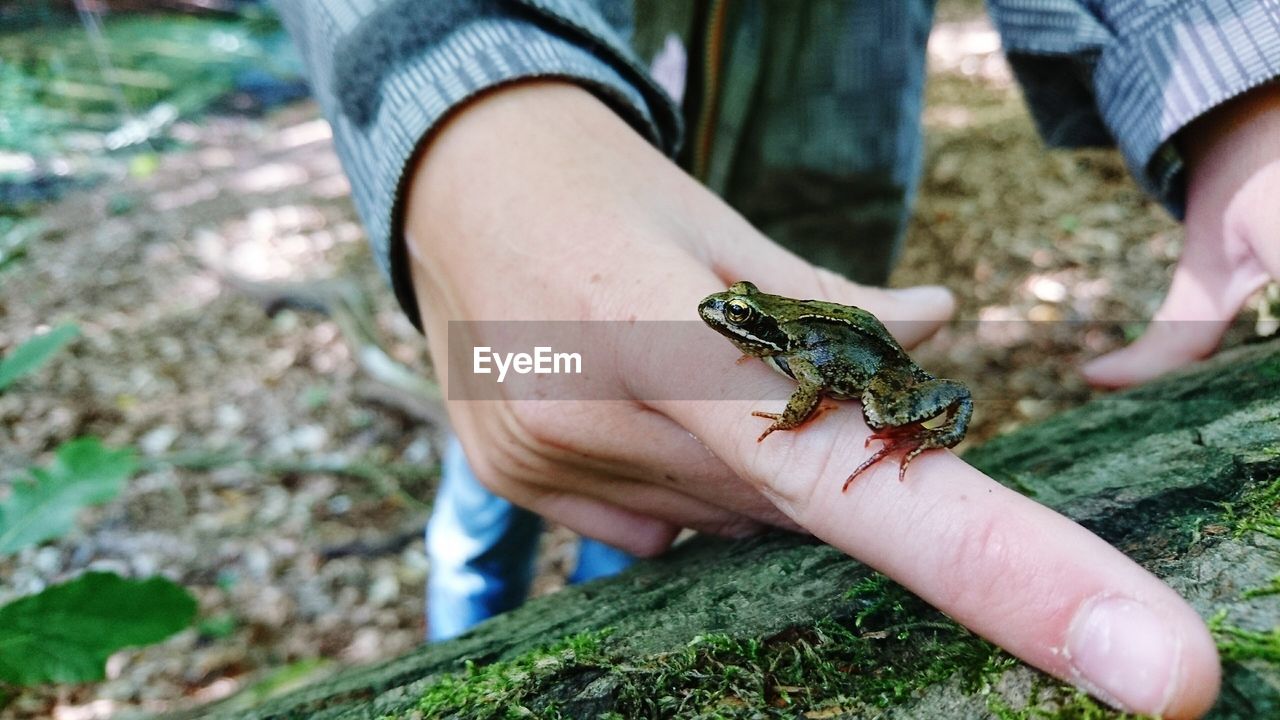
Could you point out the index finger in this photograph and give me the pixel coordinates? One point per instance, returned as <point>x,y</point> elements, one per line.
<point>1013,571</point>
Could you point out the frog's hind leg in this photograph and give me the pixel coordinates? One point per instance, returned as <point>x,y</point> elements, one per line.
<point>902,426</point>
<point>952,399</point>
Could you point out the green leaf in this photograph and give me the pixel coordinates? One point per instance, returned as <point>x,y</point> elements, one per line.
<point>30,355</point>
<point>143,165</point>
<point>82,473</point>
<point>218,627</point>
<point>66,633</point>
<point>290,676</point>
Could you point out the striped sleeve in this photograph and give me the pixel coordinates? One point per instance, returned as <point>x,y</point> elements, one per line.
<point>386,72</point>
<point>1137,71</point>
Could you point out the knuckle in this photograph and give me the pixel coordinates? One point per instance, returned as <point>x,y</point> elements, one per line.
<point>650,545</point>
<point>981,563</point>
<point>797,470</point>
<point>535,425</point>
<point>526,443</point>
<point>734,528</point>
<point>561,428</point>
<point>777,478</point>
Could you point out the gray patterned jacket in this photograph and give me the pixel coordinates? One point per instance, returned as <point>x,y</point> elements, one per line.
<point>805,116</point>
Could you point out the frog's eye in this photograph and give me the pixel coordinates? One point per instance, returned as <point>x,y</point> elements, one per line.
<point>737,311</point>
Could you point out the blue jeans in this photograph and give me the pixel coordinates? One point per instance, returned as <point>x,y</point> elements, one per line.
<point>481,551</point>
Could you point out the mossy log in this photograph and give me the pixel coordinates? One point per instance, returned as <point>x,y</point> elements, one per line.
<point>1180,474</point>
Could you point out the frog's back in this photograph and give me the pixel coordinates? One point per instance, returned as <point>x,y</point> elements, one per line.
<point>855,318</point>
<point>850,346</point>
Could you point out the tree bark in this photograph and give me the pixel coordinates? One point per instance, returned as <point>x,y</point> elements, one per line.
<point>1180,474</point>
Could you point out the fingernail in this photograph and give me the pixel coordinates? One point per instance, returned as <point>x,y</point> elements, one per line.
<point>1124,653</point>
<point>922,294</point>
<point>1095,369</point>
<point>1107,362</point>
<point>1108,372</point>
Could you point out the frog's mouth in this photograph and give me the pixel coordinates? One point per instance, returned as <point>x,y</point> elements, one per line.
<point>711,310</point>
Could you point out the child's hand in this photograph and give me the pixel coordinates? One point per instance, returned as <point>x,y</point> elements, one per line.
<point>1232,243</point>
<point>538,203</point>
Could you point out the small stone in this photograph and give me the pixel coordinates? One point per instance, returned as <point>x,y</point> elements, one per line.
<point>47,560</point>
<point>229,417</point>
<point>385,588</point>
<point>158,440</point>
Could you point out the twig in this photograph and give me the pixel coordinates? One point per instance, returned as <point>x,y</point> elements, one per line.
<point>386,545</point>
<point>385,477</point>
<point>347,306</point>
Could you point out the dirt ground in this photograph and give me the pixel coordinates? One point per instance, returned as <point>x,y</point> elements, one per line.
<point>238,414</point>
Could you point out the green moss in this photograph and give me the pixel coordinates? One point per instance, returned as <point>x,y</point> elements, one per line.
<point>1271,588</point>
<point>1236,643</point>
<point>1256,510</point>
<point>506,689</point>
<point>1270,369</point>
<point>892,647</point>
<point>1055,701</point>
<point>885,651</point>
<point>881,647</point>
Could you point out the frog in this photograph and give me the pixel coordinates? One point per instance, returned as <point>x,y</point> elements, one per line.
<point>842,352</point>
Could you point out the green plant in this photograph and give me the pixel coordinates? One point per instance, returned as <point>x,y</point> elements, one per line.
<point>34,353</point>
<point>505,689</point>
<point>66,632</point>
<point>44,506</point>
<point>1236,643</point>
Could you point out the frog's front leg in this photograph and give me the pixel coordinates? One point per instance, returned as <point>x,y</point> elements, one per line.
<point>898,414</point>
<point>803,403</point>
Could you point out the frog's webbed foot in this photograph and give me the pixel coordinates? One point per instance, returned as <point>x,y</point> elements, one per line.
<point>893,434</point>
<point>913,438</point>
<point>944,399</point>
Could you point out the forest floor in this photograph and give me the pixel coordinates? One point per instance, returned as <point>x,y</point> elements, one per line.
<point>242,419</point>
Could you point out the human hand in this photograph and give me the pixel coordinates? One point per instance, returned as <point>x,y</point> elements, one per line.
<point>1232,243</point>
<point>537,202</point>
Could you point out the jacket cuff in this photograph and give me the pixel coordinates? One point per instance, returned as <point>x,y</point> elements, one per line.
<point>418,94</point>
<point>1188,60</point>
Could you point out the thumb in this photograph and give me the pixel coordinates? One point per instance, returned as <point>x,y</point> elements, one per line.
<point>911,314</point>
<point>1233,170</point>
<point>1210,285</point>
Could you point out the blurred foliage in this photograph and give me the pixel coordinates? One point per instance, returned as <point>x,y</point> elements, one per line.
<point>15,232</point>
<point>82,97</point>
<point>45,505</point>
<point>56,94</point>
<point>67,632</point>
<point>34,353</point>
